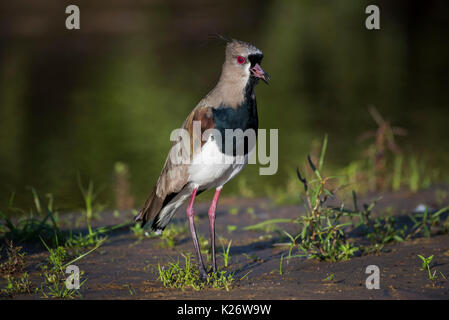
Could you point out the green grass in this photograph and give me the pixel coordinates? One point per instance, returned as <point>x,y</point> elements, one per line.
<point>425,223</point>
<point>321,233</point>
<point>385,230</point>
<point>185,276</point>
<point>91,209</point>
<point>41,224</point>
<point>225,254</point>
<point>53,272</point>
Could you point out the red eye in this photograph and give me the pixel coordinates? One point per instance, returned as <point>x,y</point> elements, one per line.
<point>240,60</point>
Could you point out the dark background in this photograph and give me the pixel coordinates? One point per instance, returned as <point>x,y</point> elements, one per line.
<point>82,100</point>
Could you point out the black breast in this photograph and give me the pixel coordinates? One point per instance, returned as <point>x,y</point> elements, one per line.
<point>243,117</point>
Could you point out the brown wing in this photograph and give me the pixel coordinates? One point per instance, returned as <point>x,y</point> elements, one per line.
<point>175,174</point>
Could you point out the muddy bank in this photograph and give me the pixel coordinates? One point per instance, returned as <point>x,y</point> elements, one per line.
<point>125,268</point>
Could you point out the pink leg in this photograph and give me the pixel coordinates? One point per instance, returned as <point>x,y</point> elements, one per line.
<point>190,214</point>
<point>212,208</point>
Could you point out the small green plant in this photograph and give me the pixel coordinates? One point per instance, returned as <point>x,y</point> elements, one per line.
<point>226,256</point>
<point>176,276</point>
<point>293,243</point>
<point>425,222</point>
<point>91,209</point>
<point>15,263</point>
<point>425,266</point>
<point>181,277</point>
<point>53,272</point>
<point>18,285</point>
<point>54,286</point>
<point>385,230</point>
<point>330,277</point>
<point>30,225</point>
<point>322,230</point>
<point>131,291</point>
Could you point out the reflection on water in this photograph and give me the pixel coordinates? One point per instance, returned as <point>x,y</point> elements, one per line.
<point>80,101</point>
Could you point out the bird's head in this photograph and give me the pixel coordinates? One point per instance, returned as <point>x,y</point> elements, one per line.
<point>243,62</point>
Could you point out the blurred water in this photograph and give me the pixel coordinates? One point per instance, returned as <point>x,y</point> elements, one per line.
<point>79,101</point>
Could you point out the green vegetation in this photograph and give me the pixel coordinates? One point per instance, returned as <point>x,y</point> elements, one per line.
<point>321,233</point>
<point>169,237</point>
<point>330,277</point>
<point>225,254</point>
<point>425,223</point>
<point>13,270</point>
<point>17,285</point>
<point>30,226</point>
<point>181,277</point>
<point>42,225</point>
<point>425,266</point>
<point>324,229</point>
<point>91,211</point>
<point>53,272</point>
<point>382,165</point>
<point>328,230</point>
<point>15,263</point>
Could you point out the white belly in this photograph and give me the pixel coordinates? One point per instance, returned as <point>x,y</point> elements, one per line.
<point>211,168</point>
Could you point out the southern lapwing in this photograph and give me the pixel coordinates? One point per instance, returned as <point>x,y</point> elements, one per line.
<point>230,105</point>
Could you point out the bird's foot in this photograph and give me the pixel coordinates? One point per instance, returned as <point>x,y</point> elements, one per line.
<point>203,274</point>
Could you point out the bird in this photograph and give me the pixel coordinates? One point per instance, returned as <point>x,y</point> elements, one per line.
<point>231,104</point>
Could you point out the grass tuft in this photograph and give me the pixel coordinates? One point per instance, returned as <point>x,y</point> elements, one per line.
<point>184,276</point>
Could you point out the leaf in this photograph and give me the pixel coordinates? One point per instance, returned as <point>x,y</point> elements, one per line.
<point>323,152</point>
<point>315,170</point>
